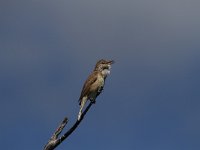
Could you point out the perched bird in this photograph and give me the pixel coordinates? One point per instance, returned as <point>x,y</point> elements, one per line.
<point>94,84</point>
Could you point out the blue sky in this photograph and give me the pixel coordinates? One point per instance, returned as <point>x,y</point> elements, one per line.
<point>151,99</point>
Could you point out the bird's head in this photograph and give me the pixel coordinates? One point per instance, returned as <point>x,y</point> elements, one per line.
<point>104,66</point>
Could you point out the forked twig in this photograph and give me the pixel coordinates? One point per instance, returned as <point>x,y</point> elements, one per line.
<point>54,140</point>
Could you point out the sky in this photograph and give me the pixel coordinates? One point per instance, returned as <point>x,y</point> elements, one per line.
<point>151,99</point>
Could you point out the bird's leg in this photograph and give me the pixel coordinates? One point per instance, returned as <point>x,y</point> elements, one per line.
<point>93,101</point>
<point>99,90</point>
<point>83,101</point>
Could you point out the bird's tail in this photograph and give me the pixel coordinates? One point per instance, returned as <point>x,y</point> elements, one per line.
<point>82,104</point>
<point>79,115</point>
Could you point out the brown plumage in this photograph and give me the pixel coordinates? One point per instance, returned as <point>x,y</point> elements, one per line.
<point>94,84</point>
<point>86,87</point>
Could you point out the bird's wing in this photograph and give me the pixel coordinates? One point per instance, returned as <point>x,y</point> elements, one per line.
<point>86,87</point>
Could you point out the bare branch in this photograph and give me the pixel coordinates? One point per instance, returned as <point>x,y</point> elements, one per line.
<point>54,140</point>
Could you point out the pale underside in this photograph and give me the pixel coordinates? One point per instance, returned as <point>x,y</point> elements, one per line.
<point>93,87</point>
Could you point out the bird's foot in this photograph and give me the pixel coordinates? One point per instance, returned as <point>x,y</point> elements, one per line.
<point>100,90</point>
<point>93,101</point>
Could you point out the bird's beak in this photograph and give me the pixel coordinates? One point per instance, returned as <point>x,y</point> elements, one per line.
<point>111,62</point>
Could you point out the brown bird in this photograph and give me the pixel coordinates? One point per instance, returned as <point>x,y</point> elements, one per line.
<point>95,82</point>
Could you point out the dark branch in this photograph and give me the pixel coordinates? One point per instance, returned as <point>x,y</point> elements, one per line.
<point>54,140</point>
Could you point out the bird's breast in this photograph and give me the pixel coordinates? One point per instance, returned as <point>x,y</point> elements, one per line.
<point>100,80</point>
<point>96,87</point>
<point>98,83</point>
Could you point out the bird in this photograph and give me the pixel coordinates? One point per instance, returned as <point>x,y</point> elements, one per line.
<point>94,84</point>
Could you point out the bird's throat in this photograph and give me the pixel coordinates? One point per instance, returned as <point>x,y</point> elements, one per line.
<point>106,72</point>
